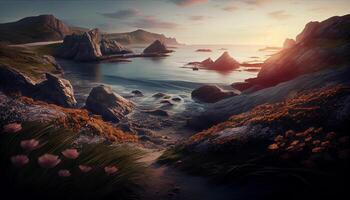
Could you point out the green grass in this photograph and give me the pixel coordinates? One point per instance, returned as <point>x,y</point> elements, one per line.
<point>26,60</point>
<point>48,49</point>
<point>36,181</point>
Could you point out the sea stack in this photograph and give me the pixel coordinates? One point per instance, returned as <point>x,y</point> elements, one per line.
<point>157,47</point>
<point>225,62</point>
<point>109,47</point>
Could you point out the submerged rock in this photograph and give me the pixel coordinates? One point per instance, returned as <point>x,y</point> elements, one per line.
<point>159,95</point>
<point>137,93</point>
<point>55,90</point>
<point>111,106</point>
<point>211,94</point>
<point>157,112</point>
<point>157,47</point>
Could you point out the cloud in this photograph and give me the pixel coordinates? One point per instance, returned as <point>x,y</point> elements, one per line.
<point>185,3</point>
<point>230,8</point>
<point>279,14</point>
<point>257,2</point>
<point>152,22</point>
<point>122,14</point>
<point>197,17</point>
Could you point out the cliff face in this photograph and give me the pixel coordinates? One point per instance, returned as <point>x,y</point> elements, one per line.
<point>34,29</point>
<point>321,45</point>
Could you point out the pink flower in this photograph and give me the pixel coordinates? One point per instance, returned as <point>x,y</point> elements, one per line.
<point>12,128</point>
<point>110,170</point>
<point>19,160</point>
<point>30,144</point>
<point>48,161</point>
<point>64,173</point>
<point>85,168</point>
<point>70,153</point>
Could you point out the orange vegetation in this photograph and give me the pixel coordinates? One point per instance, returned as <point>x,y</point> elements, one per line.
<point>79,119</point>
<point>304,109</point>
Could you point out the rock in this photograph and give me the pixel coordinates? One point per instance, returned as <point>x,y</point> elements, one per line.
<point>159,95</point>
<point>51,60</point>
<point>14,81</point>
<point>157,112</point>
<point>166,103</point>
<point>224,62</point>
<point>55,90</point>
<point>177,99</point>
<point>241,86</point>
<point>288,43</point>
<point>85,47</point>
<point>321,45</point>
<point>211,94</point>
<point>109,47</point>
<point>157,47</point>
<point>111,106</point>
<point>137,93</point>
<point>207,62</point>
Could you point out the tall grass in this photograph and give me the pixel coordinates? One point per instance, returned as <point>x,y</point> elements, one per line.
<point>34,181</point>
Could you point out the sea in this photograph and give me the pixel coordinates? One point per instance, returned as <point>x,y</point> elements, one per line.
<point>170,75</point>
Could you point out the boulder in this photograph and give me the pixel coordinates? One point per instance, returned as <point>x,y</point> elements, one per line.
<point>157,47</point>
<point>109,47</point>
<point>111,106</point>
<point>211,94</point>
<point>85,47</point>
<point>15,81</point>
<point>224,62</point>
<point>137,93</point>
<point>55,90</point>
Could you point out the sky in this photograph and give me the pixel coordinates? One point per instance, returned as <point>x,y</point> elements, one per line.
<point>237,22</point>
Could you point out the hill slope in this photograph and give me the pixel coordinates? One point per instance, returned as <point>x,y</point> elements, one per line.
<point>141,37</point>
<point>34,29</point>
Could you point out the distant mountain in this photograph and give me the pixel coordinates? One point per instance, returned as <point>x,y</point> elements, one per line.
<point>34,29</point>
<point>140,37</point>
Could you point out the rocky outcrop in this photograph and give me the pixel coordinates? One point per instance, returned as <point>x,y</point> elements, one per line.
<point>34,29</point>
<point>109,47</point>
<point>85,47</point>
<point>288,43</point>
<point>52,90</point>
<point>224,62</point>
<point>211,94</point>
<point>207,62</point>
<point>321,45</point>
<point>55,90</point>
<point>14,81</point>
<point>111,106</point>
<point>157,47</point>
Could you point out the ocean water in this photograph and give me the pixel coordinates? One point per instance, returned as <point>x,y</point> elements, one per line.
<point>167,74</point>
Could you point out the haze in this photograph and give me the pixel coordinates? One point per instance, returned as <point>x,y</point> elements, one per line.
<point>246,22</point>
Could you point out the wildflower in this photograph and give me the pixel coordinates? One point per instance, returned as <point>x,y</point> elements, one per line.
<point>273,146</point>
<point>110,170</point>
<point>278,138</point>
<point>85,168</point>
<point>30,144</point>
<point>317,150</point>
<point>70,153</point>
<point>64,173</point>
<point>331,135</point>
<point>19,160</point>
<point>12,128</point>
<point>295,142</point>
<point>308,139</point>
<point>48,160</point>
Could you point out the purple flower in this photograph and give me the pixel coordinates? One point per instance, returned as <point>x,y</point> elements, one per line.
<point>30,144</point>
<point>110,170</point>
<point>85,168</point>
<point>19,160</point>
<point>48,160</point>
<point>64,173</point>
<point>70,153</point>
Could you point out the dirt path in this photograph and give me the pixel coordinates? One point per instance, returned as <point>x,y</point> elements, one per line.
<point>165,182</point>
<point>36,44</point>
